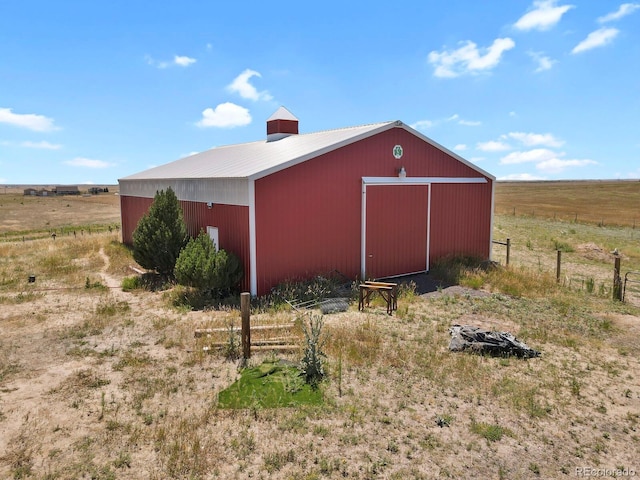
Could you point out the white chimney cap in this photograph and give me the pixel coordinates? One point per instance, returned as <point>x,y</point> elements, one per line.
<point>282,114</point>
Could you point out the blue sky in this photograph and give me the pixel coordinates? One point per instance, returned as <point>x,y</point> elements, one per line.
<point>92,91</point>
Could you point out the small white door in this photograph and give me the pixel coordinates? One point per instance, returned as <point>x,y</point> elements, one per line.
<point>213,235</point>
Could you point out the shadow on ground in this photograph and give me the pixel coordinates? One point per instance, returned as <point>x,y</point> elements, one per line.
<point>428,285</point>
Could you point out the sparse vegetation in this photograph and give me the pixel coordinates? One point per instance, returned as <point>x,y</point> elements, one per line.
<point>490,432</point>
<point>104,383</point>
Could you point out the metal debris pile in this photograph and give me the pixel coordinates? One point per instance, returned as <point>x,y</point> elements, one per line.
<point>477,340</point>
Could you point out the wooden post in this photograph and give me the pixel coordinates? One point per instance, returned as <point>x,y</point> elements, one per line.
<point>245,311</point>
<point>558,264</point>
<point>617,281</point>
<point>508,249</point>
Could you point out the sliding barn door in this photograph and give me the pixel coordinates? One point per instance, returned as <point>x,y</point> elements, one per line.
<point>396,230</point>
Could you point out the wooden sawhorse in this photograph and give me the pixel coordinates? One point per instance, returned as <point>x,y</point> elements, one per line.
<point>388,292</point>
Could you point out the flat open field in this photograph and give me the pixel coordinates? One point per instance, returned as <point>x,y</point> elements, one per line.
<point>610,202</point>
<point>101,383</point>
<point>26,215</point>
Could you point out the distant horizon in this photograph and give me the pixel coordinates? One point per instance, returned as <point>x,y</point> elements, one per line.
<point>559,180</point>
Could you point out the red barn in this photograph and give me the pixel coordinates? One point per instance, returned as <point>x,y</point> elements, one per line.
<point>372,201</point>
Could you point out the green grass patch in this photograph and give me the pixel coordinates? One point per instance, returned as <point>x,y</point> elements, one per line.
<point>490,432</point>
<point>270,385</point>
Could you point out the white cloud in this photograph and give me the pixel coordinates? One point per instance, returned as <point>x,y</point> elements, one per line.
<point>241,86</point>
<point>28,144</point>
<point>225,115</point>
<point>546,160</point>
<point>544,62</point>
<point>468,59</point>
<point>461,147</point>
<point>544,15</point>
<point>461,121</point>
<point>183,61</point>
<point>43,145</point>
<point>624,10</point>
<point>520,177</point>
<point>598,38</point>
<point>536,155</point>
<point>32,121</point>
<point>88,163</point>
<point>492,146</point>
<point>422,125</point>
<point>178,60</point>
<point>513,114</point>
<point>477,159</point>
<point>633,174</point>
<point>533,139</point>
<point>155,63</point>
<point>556,165</point>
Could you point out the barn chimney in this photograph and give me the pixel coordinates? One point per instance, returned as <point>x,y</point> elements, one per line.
<point>281,124</point>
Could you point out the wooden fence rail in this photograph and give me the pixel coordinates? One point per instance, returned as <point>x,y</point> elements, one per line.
<point>277,336</point>
<point>508,245</point>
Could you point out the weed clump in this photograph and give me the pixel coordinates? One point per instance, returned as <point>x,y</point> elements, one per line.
<point>312,361</point>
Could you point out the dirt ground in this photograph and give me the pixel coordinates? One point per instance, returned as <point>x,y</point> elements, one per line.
<point>102,383</point>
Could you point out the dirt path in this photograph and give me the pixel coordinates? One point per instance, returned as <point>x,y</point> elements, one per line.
<point>112,283</point>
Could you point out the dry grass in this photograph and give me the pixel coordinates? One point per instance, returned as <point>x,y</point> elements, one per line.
<point>607,202</point>
<point>105,384</point>
<point>33,217</point>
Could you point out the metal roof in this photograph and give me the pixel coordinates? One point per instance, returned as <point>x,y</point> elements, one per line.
<point>258,159</point>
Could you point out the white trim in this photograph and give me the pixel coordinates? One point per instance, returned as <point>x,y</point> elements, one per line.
<point>255,160</point>
<point>493,188</point>
<point>214,235</point>
<point>420,180</point>
<point>356,138</point>
<point>318,152</point>
<point>428,226</point>
<point>363,234</point>
<point>227,191</point>
<point>427,181</point>
<point>253,275</point>
<point>435,144</point>
<point>382,181</point>
<point>406,274</point>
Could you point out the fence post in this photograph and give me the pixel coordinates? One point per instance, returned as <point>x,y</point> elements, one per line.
<point>245,311</point>
<point>617,281</point>
<point>508,249</point>
<point>558,264</point>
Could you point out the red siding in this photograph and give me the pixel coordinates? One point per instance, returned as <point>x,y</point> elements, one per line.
<point>308,217</point>
<point>396,229</point>
<point>131,210</point>
<point>232,222</point>
<point>460,220</point>
<point>282,126</point>
<point>307,222</point>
